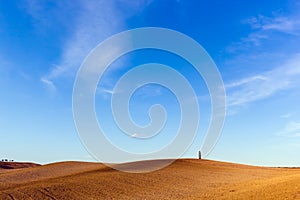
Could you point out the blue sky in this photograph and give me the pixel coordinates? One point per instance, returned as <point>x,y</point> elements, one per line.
<point>255,45</point>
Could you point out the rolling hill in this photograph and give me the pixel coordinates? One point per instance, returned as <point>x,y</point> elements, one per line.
<point>184,179</point>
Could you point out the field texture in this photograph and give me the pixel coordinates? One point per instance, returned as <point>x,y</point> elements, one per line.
<point>184,179</point>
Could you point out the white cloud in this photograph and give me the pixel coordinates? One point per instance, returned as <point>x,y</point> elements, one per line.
<point>285,68</point>
<point>49,84</point>
<point>290,25</point>
<point>261,86</point>
<point>246,81</point>
<point>105,93</point>
<point>49,14</point>
<point>286,115</point>
<point>145,92</point>
<point>96,20</point>
<point>292,129</point>
<point>263,29</point>
<point>150,90</point>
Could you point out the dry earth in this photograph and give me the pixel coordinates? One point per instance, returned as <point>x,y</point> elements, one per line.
<point>16,165</point>
<point>184,179</point>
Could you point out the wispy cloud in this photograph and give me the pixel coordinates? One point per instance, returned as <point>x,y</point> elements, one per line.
<point>292,129</point>
<point>96,20</point>
<point>107,91</point>
<point>286,115</point>
<point>261,86</point>
<point>49,84</point>
<point>246,81</point>
<point>263,28</point>
<point>144,92</point>
<point>150,90</point>
<point>254,50</point>
<point>283,24</point>
<point>47,15</point>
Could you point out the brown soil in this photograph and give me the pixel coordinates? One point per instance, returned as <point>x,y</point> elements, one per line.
<point>184,179</point>
<point>16,165</point>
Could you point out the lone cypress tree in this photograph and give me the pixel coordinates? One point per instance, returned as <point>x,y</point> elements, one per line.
<point>199,154</point>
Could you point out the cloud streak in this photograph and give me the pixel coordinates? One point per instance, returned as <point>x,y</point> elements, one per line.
<point>286,116</point>
<point>267,84</point>
<point>49,84</point>
<point>292,129</point>
<point>283,24</point>
<point>96,20</point>
<point>263,29</point>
